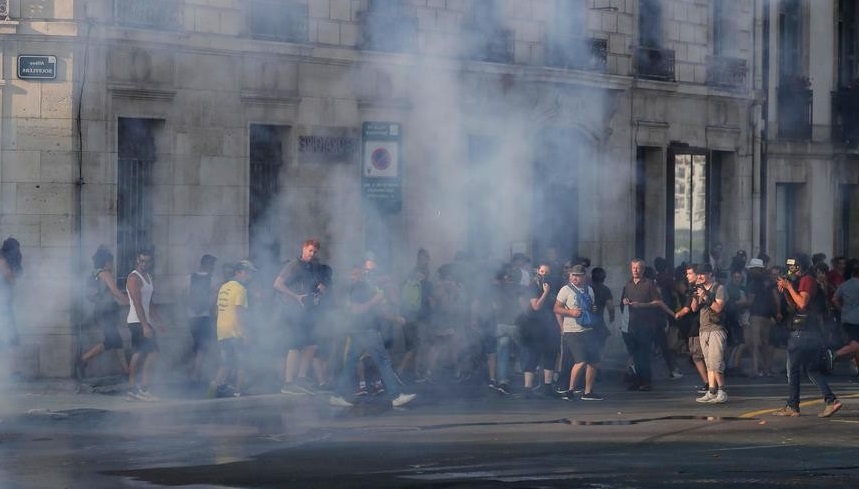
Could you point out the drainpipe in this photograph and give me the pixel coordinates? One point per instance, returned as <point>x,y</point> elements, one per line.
<point>765,62</point>
<point>78,220</point>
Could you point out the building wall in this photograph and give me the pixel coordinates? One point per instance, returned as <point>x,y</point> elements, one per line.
<point>206,81</point>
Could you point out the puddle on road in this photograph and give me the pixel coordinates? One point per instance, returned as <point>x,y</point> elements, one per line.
<point>575,422</point>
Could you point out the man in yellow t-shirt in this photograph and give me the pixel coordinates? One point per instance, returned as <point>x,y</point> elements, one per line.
<point>232,320</point>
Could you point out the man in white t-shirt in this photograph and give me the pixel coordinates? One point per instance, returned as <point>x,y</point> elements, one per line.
<point>575,304</point>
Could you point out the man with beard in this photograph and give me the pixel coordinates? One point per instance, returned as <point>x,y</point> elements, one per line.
<point>301,283</point>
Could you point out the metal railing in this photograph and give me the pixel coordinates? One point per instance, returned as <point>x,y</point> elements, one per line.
<point>845,117</point>
<point>654,63</point>
<point>278,20</point>
<point>153,14</point>
<point>576,53</point>
<point>726,72</point>
<point>389,32</point>
<point>794,112</point>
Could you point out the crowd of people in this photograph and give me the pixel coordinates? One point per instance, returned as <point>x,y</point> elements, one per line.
<point>536,330</point>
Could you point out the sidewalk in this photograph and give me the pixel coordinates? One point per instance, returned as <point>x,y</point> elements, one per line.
<point>54,397</point>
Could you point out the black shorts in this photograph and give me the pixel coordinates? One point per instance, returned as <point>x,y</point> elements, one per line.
<point>299,330</point>
<point>140,343</point>
<point>582,347</point>
<point>410,335</point>
<point>109,322</point>
<point>232,350</point>
<point>202,333</point>
<point>852,331</point>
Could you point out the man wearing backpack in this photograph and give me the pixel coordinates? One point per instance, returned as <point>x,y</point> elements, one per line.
<point>199,299</point>
<point>575,304</point>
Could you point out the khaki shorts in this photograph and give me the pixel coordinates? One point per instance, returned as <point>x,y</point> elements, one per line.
<point>695,349</point>
<point>713,346</point>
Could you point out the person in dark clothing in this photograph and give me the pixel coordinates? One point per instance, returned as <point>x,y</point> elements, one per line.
<point>106,302</point>
<point>805,343</point>
<point>367,309</point>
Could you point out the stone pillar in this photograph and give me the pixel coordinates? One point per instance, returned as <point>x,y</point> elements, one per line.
<point>821,60</point>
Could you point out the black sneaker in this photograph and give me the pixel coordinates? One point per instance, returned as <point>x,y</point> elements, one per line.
<point>492,384</point>
<point>591,396</point>
<point>568,396</point>
<point>503,389</point>
<point>702,389</point>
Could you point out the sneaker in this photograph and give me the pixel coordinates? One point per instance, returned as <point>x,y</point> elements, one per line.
<point>702,389</point>
<point>361,390</point>
<point>721,397</point>
<point>305,385</point>
<point>676,374</point>
<point>503,389</point>
<point>133,394</point>
<point>786,411</point>
<point>591,396</point>
<point>492,384</point>
<point>339,401</point>
<point>378,387</point>
<point>403,399</point>
<point>568,396</point>
<point>706,398</point>
<point>291,389</point>
<point>578,390</point>
<point>830,409</point>
<point>145,395</point>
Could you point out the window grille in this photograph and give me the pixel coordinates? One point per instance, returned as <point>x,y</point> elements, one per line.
<point>136,148</point>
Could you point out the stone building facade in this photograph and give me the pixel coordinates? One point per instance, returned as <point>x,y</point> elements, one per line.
<point>603,128</point>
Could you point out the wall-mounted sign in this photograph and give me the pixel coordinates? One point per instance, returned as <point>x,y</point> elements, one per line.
<point>327,144</point>
<point>32,67</point>
<point>380,170</point>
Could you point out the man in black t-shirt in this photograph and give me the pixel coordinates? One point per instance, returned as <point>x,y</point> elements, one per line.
<point>764,299</point>
<point>691,316</point>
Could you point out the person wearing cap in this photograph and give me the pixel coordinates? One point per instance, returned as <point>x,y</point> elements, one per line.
<point>580,343</point>
<point>805,343</point>
<point>764,304</point>
<point>232,325</point>
<point>710,302</point>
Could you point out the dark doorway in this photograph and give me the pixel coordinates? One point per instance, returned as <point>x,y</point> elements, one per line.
<point>266,155</point>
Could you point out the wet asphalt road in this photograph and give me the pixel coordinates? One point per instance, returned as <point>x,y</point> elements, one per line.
<point>450,437</point>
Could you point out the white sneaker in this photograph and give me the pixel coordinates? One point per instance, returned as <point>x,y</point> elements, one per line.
<point>675,375</point>
<point>403,399</point>
<point>339,402</point>
<point>145,395</point>
<point>720,398</point>
<point>706,398</point>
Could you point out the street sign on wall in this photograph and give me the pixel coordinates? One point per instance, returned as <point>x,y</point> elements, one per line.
<point>33,67</point>
<point>381,176</point>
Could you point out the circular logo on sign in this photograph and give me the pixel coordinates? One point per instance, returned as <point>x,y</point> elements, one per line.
<point>381,159</point>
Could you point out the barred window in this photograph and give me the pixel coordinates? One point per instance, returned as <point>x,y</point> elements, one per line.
<point>136,161</point>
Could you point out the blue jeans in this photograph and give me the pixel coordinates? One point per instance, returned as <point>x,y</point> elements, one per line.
<point>803,352</point>
<point>371,342</point>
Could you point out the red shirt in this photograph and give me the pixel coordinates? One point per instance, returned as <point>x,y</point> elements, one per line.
<point>809,285</point>
<point>835,278</point>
